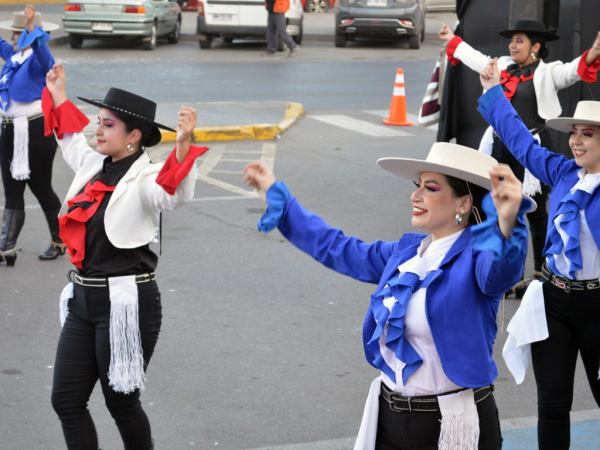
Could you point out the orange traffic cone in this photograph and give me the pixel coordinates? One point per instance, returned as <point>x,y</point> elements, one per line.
<point>398,106</point>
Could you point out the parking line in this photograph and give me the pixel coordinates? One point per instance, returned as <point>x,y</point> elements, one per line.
<point>361,126</point>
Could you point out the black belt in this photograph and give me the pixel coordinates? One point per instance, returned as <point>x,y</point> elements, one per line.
<point>427,403</point>
<point>74,277</point>
<point>568,285</point>
<point>6,120</point>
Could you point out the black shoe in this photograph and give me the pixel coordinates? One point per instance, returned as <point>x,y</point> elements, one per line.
<point>54,251</point>
<point>11,227</point>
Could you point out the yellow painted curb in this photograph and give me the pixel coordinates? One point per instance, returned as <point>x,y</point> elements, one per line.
<point>261,132</point>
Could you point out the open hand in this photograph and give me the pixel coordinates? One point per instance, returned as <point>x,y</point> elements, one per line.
<point>260,177</point>
<point>507,196</point>
<point>55,82</point>
<point>594,52</point>
<point>490,75</point>
<point>186,124</point>
<point>446,33</point>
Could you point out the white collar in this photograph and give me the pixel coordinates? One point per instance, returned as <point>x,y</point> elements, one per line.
<point>588,182</point>
<point>21,57</point>
<point>442,245</point>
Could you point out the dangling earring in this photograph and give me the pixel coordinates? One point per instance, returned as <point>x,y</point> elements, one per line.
<point>130,148</point>
<point>533,56</point>
<point>458,218</point>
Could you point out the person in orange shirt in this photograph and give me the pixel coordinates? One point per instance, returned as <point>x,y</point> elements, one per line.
<point>276,27</point>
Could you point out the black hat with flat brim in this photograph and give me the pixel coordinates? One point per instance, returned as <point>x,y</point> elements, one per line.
<point>135,106</point>
<point>532,28</point>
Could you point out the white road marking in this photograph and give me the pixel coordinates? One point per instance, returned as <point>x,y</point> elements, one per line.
<point>413,118</point>
<point>361,126</point>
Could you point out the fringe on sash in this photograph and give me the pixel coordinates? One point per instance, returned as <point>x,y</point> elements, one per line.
<point>531,185</point>
<point>460,421</point>
<point>126,372</point>
<point>19,167</point>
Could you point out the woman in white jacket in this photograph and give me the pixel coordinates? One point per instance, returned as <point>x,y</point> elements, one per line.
<point>532,87</point>
<point>110,216</point>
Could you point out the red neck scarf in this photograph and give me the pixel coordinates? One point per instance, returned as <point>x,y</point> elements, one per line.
<point>72,225</point>
<point>510,82</point>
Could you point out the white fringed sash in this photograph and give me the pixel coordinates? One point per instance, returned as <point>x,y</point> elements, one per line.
<point>126,371</point>
<point>19,167</point>
<point>460,421</point>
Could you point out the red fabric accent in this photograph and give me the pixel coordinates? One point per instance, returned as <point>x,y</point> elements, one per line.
<point>173,173</point>
<point>588,73</point>
<point>510,82</point>
<point>456,40</point>
<point>65,119</point>
<point>72,225</point>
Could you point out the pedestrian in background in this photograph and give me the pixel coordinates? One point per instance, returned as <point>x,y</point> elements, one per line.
<point>26,155</point>
<point>276,27</point>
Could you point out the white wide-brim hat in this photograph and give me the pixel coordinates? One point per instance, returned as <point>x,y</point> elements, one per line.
<point>454,160</point>
<point>18,23</point>
<point>448,159</point>
<point>586,113</point>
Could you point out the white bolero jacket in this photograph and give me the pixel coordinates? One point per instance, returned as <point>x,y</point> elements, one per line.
<point>547,81</point>
<point>132,215</point>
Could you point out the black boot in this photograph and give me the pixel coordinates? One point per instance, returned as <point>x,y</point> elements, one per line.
<point>57,248</point>
<point>11,227</point>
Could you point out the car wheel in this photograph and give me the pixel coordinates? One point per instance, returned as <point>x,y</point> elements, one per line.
<point>414,41</point>
<point>280,45</point>
<point>173,38</point>
<point>226,40</point>
<point>298,38</point>
<point>150,42</point>
<point>340,40</point>
<point>317,6</point>
<point>206,43</point>
<point>75,41</point>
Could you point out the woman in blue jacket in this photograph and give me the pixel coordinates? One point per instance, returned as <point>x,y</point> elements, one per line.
<point>565,308</point>
<point>431,341</point>
<point>26,155</point>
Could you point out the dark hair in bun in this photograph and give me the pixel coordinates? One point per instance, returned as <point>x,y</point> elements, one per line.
<point>534,39</point>
<point>460,188</point>
<point>132,123</point>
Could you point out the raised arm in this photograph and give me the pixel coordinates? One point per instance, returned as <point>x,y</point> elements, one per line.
<point>37,39</point>
<point>459,51</point>
<point>500,114</point>
<point>311,234</point>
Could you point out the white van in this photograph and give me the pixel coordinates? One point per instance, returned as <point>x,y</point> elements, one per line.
<point>242,19</point>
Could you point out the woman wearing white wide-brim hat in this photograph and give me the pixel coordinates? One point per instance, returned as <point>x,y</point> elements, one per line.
<point>532,86</point>
<point>26,155</point>
<point>559,317</point>
<point>431,323</point>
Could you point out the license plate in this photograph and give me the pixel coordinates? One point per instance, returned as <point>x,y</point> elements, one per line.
<point>102,26</point>
<point>223,17</point>
<point>376,2</point>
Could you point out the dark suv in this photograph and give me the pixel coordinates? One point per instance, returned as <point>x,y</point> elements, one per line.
<point>396,19</point>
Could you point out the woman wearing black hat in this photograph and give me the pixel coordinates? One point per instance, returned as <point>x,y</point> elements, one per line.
<point>532,87</point>
<point>109,218</point>
<point>26,155</point>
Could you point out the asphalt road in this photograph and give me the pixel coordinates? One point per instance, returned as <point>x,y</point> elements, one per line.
<point>260,346</point>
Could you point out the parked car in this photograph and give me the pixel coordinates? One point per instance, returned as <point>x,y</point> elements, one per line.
<point>317,6</point>
<point>440,5</point>
<point>247,19</point>
<point>145,20</point>
<point>388,19</point>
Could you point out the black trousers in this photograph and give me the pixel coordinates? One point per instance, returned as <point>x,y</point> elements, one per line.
<point>574,326</point>
<point>538,219</point>
<point>412,431</point>
<point>41,155</point>
<point>83,357</point>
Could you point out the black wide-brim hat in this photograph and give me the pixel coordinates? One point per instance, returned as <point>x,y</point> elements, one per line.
<point>135,106</point>
<point>530,27</point>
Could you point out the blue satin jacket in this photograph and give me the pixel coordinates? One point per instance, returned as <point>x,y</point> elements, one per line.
<point>461,303</point>
<point>551,168</point>
<point>25,83</point>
